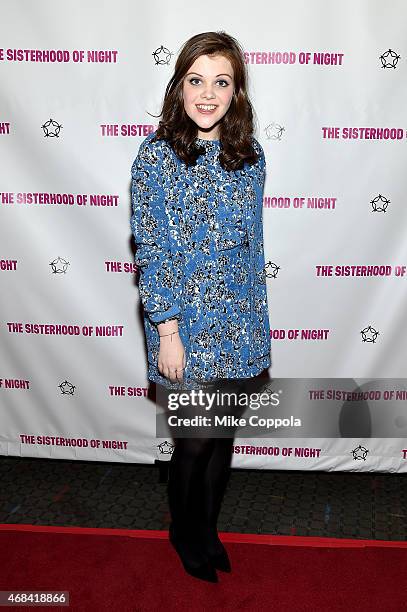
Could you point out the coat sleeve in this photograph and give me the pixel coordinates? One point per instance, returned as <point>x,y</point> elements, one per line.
<point>261,162</point>
<point>149,225</point>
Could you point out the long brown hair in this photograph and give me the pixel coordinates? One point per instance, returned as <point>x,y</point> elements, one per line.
<point>236,126</point>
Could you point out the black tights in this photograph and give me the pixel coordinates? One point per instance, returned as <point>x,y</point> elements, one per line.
<point>198,475</point>
<point>199,471</point>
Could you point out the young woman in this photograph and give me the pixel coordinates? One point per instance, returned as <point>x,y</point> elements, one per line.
<point>197,197</point>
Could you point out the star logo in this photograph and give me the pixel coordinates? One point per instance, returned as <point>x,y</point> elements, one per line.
<point>59,266</point>
<point>271,269</point>
<point>51,128</point>
<point>67,388</point>
<point>379,203</point>
<point>274,131</point>
<point>389,59</point>
<point>162,56</point>
<point>369,334</point>
<point>165,448</point>
<point>360,453</point>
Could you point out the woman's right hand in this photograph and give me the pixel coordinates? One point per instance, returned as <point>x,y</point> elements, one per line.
<point>171,356</point>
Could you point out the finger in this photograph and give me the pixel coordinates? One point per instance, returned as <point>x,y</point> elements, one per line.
<point>172,375</point>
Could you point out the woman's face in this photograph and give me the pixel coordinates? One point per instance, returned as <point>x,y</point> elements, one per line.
<point>209,81</point>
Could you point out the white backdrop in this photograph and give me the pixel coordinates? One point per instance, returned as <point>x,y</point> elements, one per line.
<point>78,80</point>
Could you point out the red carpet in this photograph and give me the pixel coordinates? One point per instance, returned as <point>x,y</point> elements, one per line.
<point>108,569</point>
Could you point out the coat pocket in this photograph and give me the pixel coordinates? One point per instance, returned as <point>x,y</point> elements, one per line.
<point>230,235</point>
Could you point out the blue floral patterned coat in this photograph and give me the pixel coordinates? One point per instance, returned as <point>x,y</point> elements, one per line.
<point>199,248</point>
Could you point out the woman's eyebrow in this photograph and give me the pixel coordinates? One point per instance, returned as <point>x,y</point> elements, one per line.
<point>222,74</point>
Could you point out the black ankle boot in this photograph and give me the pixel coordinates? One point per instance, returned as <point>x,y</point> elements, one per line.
<point>196,564</point>
<point>215,551</point>
<point>221,561</point>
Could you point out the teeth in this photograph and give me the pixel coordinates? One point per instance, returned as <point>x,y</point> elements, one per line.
<point>206,106</point>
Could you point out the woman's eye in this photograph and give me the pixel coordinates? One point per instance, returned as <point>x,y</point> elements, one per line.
<point>225,83</point>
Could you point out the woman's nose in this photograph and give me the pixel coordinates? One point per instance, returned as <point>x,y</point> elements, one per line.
<point>208,92</point>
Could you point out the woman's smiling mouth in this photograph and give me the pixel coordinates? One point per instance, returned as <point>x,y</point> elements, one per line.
<point>206,109</point>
